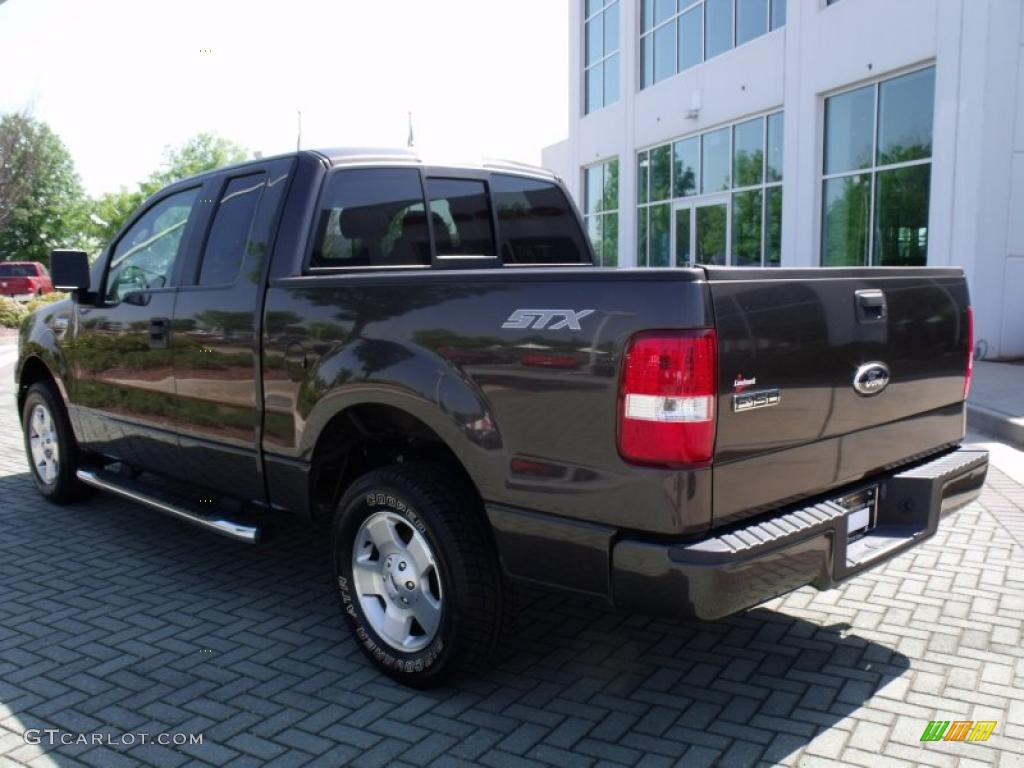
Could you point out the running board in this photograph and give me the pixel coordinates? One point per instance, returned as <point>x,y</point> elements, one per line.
<point>145,493</point>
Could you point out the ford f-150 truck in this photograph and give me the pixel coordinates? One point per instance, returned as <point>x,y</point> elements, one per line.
<point>423,361</point>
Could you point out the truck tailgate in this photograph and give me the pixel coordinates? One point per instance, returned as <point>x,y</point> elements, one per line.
<point>791,423</point>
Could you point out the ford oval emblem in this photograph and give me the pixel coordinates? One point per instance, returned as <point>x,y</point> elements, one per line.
<point>871,378</point>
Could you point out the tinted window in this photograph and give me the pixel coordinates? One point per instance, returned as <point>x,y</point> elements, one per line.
<point>461,217</point>
<point>17,270</point>
<point>537,224</point>
<point>145,255</point>
<point>372,217</point>
<point>232,225</point>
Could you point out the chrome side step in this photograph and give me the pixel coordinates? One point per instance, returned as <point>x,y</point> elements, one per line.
<point>138,491</point>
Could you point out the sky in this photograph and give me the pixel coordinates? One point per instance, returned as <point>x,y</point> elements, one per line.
<point>120,80</point>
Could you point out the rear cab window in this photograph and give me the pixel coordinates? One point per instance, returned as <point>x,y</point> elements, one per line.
<point>538,224</point>
<point>418,217</point>
<point>372,217</point>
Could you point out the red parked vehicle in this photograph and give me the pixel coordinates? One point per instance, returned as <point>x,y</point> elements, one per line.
<point>24,280</point>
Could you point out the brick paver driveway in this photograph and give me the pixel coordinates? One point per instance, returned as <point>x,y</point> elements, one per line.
<point>115,620</point>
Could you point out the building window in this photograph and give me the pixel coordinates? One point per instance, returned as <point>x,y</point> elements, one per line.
<point>601,57</point>
<point>601,210</point>
<point>877,173</point>
<point>713,198</point>
<point>679,34</point>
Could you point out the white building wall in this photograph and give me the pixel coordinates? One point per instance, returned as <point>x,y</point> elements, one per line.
<point>976,213</point>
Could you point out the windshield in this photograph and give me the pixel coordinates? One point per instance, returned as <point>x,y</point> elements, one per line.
<point>17,270</point>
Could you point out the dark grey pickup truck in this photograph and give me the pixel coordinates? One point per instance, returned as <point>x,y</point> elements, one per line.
<point>423,361</point>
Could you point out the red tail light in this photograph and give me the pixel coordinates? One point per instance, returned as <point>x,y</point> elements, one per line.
<point>667,398</point>
<point>970,352</point>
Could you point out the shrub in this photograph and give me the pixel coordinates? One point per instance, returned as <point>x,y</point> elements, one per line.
<point>46,298</point>
<point>11,312</point>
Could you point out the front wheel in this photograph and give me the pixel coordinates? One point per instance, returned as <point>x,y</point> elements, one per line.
<point>417,574</point>
<point>50,445</point>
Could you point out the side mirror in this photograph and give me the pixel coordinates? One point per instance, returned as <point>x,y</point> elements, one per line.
<point>69,270</point>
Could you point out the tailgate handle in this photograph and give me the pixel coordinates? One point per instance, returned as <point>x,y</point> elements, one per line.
<point>870,305</point>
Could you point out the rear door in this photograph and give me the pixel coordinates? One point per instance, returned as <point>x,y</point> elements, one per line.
<point>791,422</point>
<point>217,332</point>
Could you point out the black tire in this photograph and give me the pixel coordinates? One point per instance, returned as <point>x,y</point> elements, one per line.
<point>450,518</point>
<point>65,487</point>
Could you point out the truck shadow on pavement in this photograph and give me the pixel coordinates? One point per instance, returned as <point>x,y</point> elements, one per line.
<point>114,619</point>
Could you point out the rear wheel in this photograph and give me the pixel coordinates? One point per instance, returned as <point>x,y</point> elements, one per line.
<point>50,445</point>
<point>417,574</point>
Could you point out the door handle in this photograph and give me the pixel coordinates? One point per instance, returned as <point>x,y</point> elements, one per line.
<point>871,306</point>
<point>159,332</point>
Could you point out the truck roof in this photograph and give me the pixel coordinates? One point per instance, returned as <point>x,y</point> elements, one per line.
<point>357,156</point>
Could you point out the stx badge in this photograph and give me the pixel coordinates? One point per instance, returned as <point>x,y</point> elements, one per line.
<point>539,319</point>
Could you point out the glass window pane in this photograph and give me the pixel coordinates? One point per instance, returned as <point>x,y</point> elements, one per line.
<point>715,161</point>
<point>775,134</point>
<point>664,52</point>
<point>844,229</point>
<point>611,28</point>
<point>373,217</point>
<point>465,229</point>
<point>641,236</point>
<point>905,108</point>
<point>594,183</point>
<point>595,88</point>
<point>647,15</point>
<point>685,155</point>
<point>595,39</point>
<point>643,165</point>
<point>232,225</point>
<point>659,253</point>
<point>144,257</point>
<point>748,153</point>
<point>610,195</point>
<point>778,13</point>
<point>594,235</point>
<point>683,237</point>
<point>610,240</point>
<point>710,234</point>
<point>751,19</point>
<point>661,173</point>
<point>718,32</point>
<point>663,9</point>
<point>593,6</point>
<point>746,229</point>
<point>773,227</point>
<point>646,61</point>
<point>691,38</point>
<point>901,217</point>
<point>611,79</point>
<point>848,128</point>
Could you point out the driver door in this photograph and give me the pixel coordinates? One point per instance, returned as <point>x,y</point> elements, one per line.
<point>123,393</point>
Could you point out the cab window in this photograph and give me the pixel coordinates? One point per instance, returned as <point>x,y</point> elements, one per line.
<point>372,218</point>
<point>145,256</point>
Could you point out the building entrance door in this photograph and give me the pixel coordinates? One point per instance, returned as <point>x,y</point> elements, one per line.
<point>700,231</point>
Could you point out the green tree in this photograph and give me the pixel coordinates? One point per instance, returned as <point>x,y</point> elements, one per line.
<point>41,197</point>
<point>203,152</point>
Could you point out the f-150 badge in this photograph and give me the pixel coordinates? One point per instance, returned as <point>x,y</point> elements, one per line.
<point>539,319</point>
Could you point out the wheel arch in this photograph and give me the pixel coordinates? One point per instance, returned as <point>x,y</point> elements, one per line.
<point>368,435</point>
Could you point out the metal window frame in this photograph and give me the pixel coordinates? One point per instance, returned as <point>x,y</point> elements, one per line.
<point>874,168</point>
<point>587,68</point>
<point>600,215</point>
<point>702,197</point>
